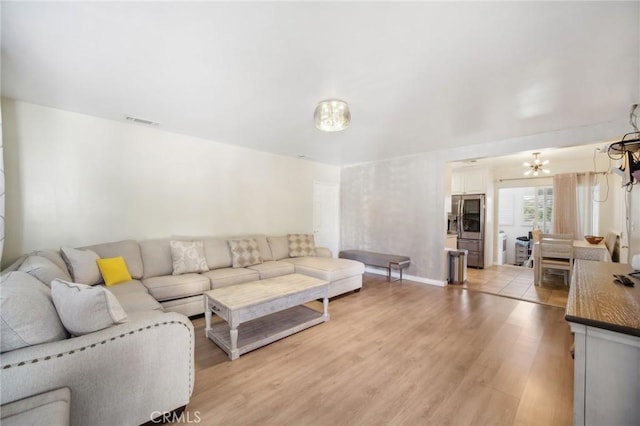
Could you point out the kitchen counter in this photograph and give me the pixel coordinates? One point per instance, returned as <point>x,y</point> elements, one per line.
<point>605,320</point>
<point>595,300</point>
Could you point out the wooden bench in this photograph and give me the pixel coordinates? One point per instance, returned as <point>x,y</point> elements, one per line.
<point>381,260</point>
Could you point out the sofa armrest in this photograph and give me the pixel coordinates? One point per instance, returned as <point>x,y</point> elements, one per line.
<point>52,406</point>
<point>323,252</point>
<point>126,374</point>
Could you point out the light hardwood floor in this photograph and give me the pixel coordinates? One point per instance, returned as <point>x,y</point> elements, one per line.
<point>398,354</point>
<point>517,282</point>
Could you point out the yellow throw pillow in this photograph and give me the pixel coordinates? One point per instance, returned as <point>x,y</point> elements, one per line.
<point>114,270</point>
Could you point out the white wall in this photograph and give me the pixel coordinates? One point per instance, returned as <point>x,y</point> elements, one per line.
<point>396,206</point>
<point>73,179</point>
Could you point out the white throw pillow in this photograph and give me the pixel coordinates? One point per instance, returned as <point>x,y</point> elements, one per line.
<point>27,314</point>
<point>245,252</point>
<point>82,265</point>
<point>84,309</point>
<point>301,245</point>
<point>188,257</point>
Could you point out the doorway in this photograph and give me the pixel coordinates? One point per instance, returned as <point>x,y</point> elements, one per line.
<point>520,211</point>
<point>326,216</point>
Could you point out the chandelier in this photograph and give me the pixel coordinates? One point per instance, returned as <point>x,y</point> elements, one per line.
<point>332,115</point>
<point>537,166</point>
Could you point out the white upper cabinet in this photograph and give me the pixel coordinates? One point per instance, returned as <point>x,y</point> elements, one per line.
<point>469,181</point>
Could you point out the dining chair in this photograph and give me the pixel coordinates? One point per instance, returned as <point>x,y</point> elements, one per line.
<point>612,241</point>
<point>556,237</point>
<point>556,254</point>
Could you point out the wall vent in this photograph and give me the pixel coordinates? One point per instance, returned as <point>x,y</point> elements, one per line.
<point>138,120</point>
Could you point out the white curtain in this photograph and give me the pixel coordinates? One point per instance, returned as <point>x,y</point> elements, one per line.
<point>573,204</point>
<point>586,223</point>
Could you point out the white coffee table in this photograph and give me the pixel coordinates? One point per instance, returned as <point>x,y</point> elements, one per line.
<point>260,312</point>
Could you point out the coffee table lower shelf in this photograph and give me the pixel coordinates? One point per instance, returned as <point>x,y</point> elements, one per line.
<point>264,330</point>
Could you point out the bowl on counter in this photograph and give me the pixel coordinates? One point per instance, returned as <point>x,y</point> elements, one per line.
<point>593,239</point>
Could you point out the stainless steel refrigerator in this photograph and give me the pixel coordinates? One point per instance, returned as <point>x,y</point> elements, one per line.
<point>470,210</point>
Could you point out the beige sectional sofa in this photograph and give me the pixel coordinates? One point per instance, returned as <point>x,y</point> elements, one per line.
<point>126,373</point>
<point>183,293</point>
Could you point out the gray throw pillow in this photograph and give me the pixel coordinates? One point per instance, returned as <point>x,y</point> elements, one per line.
<point>43,269</point>
<point>84,309</point>
<point>188,257</point>
<point>28,316</point>
<point>244,252</point>
<point>82,265</point>
<point>301,245</point>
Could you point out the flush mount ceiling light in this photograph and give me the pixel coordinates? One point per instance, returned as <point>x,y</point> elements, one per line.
<point>537,166</point>
<point>332,115</point>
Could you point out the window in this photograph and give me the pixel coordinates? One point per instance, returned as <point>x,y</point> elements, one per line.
<point>537,208</point>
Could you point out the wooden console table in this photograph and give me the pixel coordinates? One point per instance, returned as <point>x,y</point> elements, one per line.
<point>605,318</point>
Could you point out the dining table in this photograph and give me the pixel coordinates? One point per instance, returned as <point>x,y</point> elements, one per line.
<point>582,249</point>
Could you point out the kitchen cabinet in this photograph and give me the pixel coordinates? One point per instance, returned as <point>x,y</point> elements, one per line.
<point>469,181</point>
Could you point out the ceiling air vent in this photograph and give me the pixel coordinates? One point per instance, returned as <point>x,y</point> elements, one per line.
<point>141,121</point>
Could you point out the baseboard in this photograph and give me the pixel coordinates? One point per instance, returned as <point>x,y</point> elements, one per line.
<point>422,280</point>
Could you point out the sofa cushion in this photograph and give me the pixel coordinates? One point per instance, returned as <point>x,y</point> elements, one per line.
<point>82,265</point>
<point>301,245</point>
<point>217,252</point>
<point>84,309</point>
<point>133,286</point>
<point>114,270</point>
<point>169,287</point>
<point>137,301</point>
<point>134,297</point>
<point>326,268</point>
<point>156,256</point>
<point>28,315</point>
<point>244,252</point>
<point>273,268</point>
<point>231,276</point>
<point>188,257</point>
<point>279,247</point>
<point>43,269</point>
<point>129,249</point>
<point>54,256</point>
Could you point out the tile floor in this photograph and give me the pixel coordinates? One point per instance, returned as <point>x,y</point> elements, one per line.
<point>517,282</point>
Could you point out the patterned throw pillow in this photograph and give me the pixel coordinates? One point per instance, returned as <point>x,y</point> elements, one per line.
<point>301,245</point>
<point>245,252</point>
<point>188,257</point>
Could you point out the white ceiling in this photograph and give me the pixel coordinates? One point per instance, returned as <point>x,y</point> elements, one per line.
<point>419,76</point>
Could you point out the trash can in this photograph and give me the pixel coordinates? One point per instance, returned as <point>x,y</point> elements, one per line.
<point>457,266</point>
